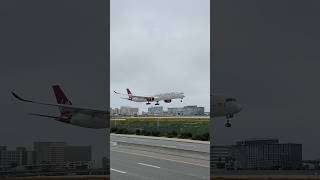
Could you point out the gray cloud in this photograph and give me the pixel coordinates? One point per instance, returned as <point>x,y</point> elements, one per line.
<point>45,43</point>
<point>267,55</point>
<point>160,46</point>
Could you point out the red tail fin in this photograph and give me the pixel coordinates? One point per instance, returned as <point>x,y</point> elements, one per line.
<point>129,93</point>
<point>60,96</point>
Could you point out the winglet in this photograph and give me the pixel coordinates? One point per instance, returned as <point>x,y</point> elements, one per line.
<point>18,97</point>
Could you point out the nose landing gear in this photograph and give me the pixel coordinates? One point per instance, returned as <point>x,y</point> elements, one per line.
<point>228,124</point>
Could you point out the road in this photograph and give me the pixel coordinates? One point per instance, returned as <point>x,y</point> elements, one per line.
<point>128,163</point>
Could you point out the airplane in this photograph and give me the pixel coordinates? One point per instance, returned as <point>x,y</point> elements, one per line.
<point>78,116</point>
<point>225,106</point>
<point>166,97</point>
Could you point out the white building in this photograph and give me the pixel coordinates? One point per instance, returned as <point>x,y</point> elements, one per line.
<point>128,111</point>
<point>155,110</point>
<point>175,111</point>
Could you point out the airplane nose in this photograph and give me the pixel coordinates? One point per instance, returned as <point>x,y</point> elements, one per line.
<point>238,107</point>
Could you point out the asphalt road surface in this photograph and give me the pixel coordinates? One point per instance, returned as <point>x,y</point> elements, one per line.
<point>136,164</point>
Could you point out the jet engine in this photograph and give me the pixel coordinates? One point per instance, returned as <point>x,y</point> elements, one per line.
<point>167,101</point>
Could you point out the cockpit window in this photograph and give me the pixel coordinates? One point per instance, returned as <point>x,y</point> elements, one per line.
<point>230,100</point>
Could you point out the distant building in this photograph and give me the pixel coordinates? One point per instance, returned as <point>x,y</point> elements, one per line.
<point>60,155</point>
<point>193,110</point>
<point>177,111</point>
<point>105,163</point>
<point>186,111</point>
<point>311,164</point>
<point>128,111</point>
<point>258,154</point>
<point>50,153</point>
<point>78,157</point>
<point>221,157</point>
<point>155,110</point>
<point>115,111</point>
<point>12,158</point>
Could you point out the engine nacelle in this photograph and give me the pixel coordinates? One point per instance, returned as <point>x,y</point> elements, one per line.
<point>167,101</point>
<point>150,99</point>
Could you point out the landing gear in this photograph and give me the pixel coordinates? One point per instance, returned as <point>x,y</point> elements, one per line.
<point>148,103</point>
<point>157,103</point>
<point>181,100</point>
<point>228,124</point>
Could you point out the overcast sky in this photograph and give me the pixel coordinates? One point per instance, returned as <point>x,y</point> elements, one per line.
<point>45,43</point>
<point>267,56</point>
<point>160,46</point>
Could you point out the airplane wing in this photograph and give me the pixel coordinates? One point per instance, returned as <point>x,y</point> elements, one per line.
<point>120,93</point>
<point>131,95</point>
<point>67,107</point>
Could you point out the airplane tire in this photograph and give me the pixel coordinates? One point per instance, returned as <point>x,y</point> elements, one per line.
<point>228,124</point>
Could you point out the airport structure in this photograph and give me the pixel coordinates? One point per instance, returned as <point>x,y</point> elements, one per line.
<point>105,163</point>
<point>176,111</point>
<point>156,111</point>
<point>129,111</point>
<point>193,110</point>
<point>18,157</point>
<point>159,111</point>
<point>257,154</point>
<point>115,111</point>
<point>47,154</point>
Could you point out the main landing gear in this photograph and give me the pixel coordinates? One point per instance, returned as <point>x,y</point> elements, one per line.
<point>228,124</point>
<point>181,100</point>
<point>157,103</point>
<point>148,103</point>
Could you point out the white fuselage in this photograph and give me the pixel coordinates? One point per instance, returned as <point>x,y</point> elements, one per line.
<point>158,97</point>
<point>224,106</point>
<point>168,96</point>
<point>87,121</point>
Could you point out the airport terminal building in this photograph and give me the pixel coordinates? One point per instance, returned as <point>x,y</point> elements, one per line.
<point>257,154</point>
<point>48,155</point>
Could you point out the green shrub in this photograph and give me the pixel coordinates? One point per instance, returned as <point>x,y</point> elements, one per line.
<point>172,134</point>
<point>155,133</point>
<point>205,137</point>
<point>186,135</point>
<point>145,133</point>
<point>114,129</point>
<point>138,131</point>
<point>122,131</point>
<point>196,137</point>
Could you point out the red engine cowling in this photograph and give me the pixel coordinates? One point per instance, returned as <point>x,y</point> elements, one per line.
<point>167,101</point>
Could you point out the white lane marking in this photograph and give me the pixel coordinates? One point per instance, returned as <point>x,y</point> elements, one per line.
<point>194,164</point>
<point>118,171</point>
<point>149,165</point>
<point>120,141</point>
<point>169,146</point>
<point>114,143</point>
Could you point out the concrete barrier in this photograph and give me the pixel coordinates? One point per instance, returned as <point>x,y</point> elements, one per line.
<point>165,150</point>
